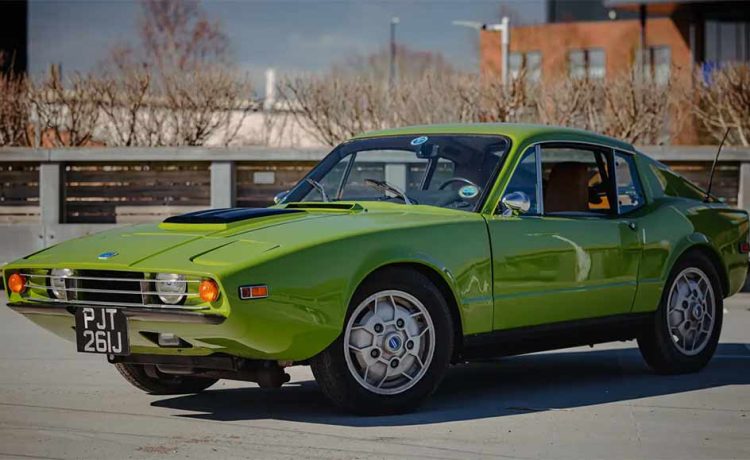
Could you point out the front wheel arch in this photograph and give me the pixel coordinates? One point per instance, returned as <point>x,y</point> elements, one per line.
<point>439,281</point>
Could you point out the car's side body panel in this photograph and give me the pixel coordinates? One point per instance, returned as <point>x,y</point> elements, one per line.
<point>561,269</point>
<point>312,283</point>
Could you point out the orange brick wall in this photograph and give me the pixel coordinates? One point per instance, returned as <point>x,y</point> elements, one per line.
<point>619,39</point>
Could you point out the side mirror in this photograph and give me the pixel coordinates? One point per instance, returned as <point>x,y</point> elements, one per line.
<point>279,197</point>
<point>516,203</point>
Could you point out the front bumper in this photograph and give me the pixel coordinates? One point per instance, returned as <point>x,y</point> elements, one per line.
<point>135,314</point>
<point>195,329</point>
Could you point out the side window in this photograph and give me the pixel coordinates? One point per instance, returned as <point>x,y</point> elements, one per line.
<point>629,193</point>
<point>576,180</point>
<point>524,180</point>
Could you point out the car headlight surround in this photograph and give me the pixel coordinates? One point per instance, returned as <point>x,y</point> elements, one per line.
<point>170,287</point>
<point>58,284</point>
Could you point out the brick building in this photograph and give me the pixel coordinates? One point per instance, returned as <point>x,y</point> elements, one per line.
<point>602,38</point>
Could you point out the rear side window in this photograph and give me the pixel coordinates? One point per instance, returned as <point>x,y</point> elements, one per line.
<point>629,192</point>
<point>675,185</point>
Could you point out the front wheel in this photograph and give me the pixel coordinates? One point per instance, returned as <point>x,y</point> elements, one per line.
<point>395,347</point>
<point>152,381</point>
<point>685,331</point>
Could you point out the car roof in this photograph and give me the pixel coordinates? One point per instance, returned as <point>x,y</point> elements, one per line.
<point>517,132</point>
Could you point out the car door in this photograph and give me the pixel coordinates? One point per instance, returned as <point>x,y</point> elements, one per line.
<point>567,253</point>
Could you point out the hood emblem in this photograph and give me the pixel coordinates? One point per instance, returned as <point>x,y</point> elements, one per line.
<point>419,140</point>
<point>107,255</point>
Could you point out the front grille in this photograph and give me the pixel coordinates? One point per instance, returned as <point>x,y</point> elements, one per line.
<point>109,288</point>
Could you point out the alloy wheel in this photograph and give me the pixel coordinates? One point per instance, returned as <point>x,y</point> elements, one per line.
<point>691,311</point>
<point>389,342</point>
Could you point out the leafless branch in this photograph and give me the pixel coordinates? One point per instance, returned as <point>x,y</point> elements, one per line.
<point>723,102</point>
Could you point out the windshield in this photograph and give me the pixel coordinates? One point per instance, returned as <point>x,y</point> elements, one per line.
<point>450,171</point>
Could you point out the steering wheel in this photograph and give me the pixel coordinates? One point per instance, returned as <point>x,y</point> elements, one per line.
<point>458,179</point>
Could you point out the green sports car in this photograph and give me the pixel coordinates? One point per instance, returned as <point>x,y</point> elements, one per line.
<point>401,252</point>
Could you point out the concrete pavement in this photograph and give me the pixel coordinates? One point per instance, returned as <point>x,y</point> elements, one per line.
<point>576,403</point>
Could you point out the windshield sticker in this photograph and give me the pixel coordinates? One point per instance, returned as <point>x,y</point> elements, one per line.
<point>468,191</point>
<point>419,140</point>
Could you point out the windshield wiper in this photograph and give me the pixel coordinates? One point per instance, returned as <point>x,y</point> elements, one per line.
<point>384,186</point>
<point>316,185</point>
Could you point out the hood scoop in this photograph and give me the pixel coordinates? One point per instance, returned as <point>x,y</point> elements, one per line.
<point>226,215</point>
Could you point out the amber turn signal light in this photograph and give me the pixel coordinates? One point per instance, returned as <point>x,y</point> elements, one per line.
<point>208,290</point>
<point>17,283</point>
<point>254,292</point>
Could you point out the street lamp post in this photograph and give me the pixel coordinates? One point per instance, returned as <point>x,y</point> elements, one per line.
<point>392,55</point>
<point>504,29</point>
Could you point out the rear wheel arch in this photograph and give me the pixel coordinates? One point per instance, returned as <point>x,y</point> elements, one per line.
<point>709,253</point>
<point>440,282</point>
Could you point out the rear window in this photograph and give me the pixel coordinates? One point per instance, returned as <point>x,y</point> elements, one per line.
<point>675,185</point>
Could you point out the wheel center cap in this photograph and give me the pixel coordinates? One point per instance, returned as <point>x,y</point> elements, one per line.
<point>697,312</point>
<point>393,343</point>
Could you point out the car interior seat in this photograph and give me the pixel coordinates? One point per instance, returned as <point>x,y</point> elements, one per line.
<point>567,189</point>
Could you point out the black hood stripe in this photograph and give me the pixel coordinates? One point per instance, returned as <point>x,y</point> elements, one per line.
<point>226,215</point>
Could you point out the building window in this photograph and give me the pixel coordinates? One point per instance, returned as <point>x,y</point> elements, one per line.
<point>727,41</point>
<point>529,62</point>
<point>586,63</point>
<point>657,62</point>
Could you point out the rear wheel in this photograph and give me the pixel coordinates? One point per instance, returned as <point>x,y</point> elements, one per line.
<point>395,347</point>
<point>685,331</point>
<point>152,381</point>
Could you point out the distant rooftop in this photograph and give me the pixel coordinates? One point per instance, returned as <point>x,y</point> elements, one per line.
<point>652,6</point>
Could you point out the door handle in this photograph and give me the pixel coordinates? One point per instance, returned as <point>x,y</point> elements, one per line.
<point>633,226</point>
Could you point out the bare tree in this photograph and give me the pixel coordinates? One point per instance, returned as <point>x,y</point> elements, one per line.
<point>410,64</point>
<point>205,103</point>
<point>177,35</point>
<point>14,111</point>
<point>635,109</point>
<point>723,102</point>
<point>625,106</point>
<point>334,108</point>
<point>66,111</point>
<point>122,100</point>
<point>514,102</point>
<point>177,87</point>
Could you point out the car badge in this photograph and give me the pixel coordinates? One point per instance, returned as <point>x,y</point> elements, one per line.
<point>419,140</point>
<point>107,255</point>
<point>468,192</point>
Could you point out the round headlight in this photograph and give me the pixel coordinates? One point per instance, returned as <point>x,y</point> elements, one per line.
<point>57,282</point>
<point>171,287</point>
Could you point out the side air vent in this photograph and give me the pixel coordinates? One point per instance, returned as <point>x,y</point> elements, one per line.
<point>226,215</point>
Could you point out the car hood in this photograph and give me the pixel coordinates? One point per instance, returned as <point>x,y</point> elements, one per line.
<point>202,246</point>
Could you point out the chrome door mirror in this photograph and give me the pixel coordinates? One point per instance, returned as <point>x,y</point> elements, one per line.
<point>515,203</point>
<point>279,197</point>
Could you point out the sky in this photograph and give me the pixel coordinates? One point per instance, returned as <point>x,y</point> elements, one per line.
<point>290,35</point>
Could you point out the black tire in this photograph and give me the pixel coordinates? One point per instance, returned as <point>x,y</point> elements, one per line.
<point>342,388</point>
<point>162,384</point>
<point>656,343</point>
